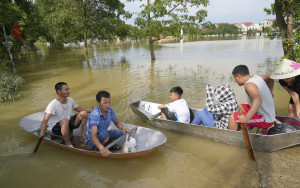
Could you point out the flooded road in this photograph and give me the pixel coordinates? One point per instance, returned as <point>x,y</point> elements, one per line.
<point>126,71</point>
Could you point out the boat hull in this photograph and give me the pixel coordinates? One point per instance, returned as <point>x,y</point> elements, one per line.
<point>265,143</point>
<point>148,140</point>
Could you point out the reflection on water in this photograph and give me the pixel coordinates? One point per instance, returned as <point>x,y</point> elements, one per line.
<point>125,70</point>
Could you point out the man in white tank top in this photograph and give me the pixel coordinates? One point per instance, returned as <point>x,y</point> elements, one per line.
<point>261,109</point>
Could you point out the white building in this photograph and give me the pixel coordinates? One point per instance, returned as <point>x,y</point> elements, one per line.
<point>267,22</point>
<point>245,26</point>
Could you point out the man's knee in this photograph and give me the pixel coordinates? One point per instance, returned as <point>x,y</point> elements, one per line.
<point>105,141</point>
<point>83,115</point>
<point>64,123</point>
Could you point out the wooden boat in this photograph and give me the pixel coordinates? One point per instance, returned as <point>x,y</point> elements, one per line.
<point>148,112</point>
<point>147,139</point>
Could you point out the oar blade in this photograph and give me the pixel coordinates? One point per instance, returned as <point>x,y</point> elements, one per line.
<point>248,142</point>
<point>38,144</point>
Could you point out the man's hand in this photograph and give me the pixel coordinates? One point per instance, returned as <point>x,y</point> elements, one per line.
<point>90,110</point>
<point>42,133</point>
<point>242,118</point>
<point>126,131</point>
<point>298,113</point>
<point>104,152</point>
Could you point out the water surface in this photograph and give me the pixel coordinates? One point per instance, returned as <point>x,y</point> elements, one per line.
<point>125,70</point>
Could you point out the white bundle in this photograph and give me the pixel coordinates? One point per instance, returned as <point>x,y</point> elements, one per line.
<point>129,145</point>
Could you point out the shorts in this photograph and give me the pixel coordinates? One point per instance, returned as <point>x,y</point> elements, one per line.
<point>256,121</point>
<point>169,114</point>
<point>112,134</point>
<point>291,101</point>
<point>57,128</point>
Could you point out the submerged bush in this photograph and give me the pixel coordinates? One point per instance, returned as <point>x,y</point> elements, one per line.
<point>10,86</point>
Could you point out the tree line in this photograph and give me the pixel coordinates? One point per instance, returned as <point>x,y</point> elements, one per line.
<point>71,21</point>
<point>59,22</point>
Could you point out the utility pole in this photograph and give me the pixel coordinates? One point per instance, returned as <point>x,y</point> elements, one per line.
<point>8,45</point>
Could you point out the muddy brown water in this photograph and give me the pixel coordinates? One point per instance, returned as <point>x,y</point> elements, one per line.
<point>125,70</point>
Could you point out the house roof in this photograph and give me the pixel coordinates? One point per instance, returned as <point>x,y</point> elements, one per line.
<point>247,24</point>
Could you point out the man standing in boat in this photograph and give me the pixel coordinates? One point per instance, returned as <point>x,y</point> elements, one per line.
<point>98,135</point>
<point>58,115</point>
<point>259,89</point>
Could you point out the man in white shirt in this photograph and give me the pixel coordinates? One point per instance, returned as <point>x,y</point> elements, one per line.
<point>177,110</point>
<point>58,115</point>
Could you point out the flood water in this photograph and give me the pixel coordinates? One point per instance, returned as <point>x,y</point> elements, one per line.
<point>126,71</point>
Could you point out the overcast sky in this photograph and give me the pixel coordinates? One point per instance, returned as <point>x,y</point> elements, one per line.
<point>224,11</point>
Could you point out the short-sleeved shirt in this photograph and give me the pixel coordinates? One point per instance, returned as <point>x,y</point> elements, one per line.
<point>59,111</point>
<point>181,109</point>
<point>96,118</point>
<point>295,87</point>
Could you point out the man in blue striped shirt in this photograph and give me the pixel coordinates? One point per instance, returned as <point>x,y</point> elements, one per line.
<point>98,135</point>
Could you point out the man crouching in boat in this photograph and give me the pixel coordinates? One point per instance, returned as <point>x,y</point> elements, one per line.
<point>261,111</point>
<point>98,135</point>
<point>58,115</point>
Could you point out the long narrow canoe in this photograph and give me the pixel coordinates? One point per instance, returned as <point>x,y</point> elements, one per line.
<point>147,139</point>
<point>148,112</point>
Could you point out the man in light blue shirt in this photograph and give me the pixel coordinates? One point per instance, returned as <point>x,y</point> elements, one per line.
<point>98,135</point>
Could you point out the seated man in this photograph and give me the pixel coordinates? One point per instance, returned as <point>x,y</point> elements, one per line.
<point>217,115</point>
<point>261,111</point>
<point>177,110</point>
<point>98,135</point>
<point>58,115</point>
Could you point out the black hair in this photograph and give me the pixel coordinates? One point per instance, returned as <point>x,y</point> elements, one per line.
<point>241,69</point>
<point>101,94</point>
<point>177,90</point>
<point>59,85</point>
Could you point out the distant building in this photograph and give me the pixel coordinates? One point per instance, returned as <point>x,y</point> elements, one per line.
<point>245,26</point>
<point>267,22</point>
<point>217,24</point>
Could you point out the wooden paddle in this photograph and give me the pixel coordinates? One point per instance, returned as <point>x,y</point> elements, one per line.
<point>38,144</point>
<point>247,140</point>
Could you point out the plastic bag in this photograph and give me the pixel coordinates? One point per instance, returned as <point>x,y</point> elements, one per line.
<point>129,145</point>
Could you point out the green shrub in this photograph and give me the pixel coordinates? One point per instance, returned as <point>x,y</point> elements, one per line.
<point>10,86</point>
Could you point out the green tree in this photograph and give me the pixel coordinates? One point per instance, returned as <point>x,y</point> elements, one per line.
<point>24,13</point>
<point>73,21</point>
<point>157,16</point>
<point>10,14</point>
<point>287,21</point>
<point>209,28</point>
<point>135,33</point>
<point>226,28</point>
